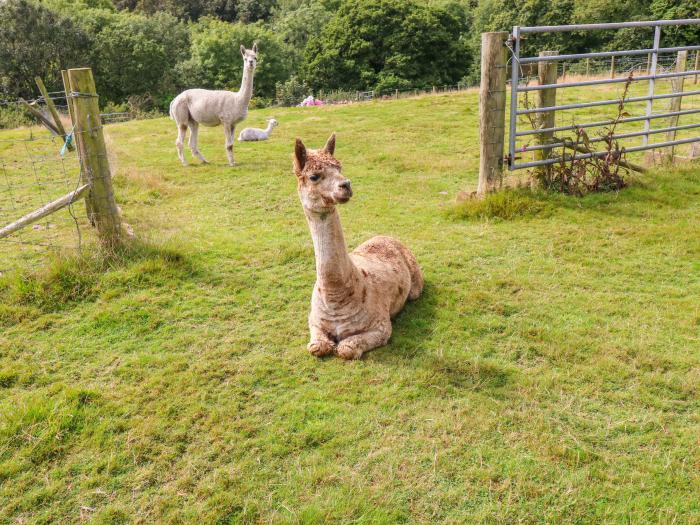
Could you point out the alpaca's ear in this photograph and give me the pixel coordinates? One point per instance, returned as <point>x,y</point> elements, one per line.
<point>242,50</point>
<point>330,144</point>
<point>299,156</point>
<point>255,47</point>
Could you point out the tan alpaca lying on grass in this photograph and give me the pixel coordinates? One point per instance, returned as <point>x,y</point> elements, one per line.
<point>356,294</point>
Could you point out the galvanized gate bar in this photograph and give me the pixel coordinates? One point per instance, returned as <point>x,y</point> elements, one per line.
<point>615,137</point>
<point>617,80</point>
<point>606,122</point>
<point>652,71</point>
<point>583,156</point>
<point>651,76</point>
<point>514,81</point>
<point>606,103</point>
<point>607,54</point>
<point>614,25</point>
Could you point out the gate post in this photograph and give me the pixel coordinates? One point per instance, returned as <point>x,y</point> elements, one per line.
<point>492,110</point>
<point>102,207</point>
<point>546,74</point>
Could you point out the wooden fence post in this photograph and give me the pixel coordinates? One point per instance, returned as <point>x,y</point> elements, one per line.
<point>492,110</point>
<point>612,67</point>
<point>76,138</point>
<point>697,64</point>
<point>102,207</point>
<point>588,66</point>
<point>676,87</point>
<point>546,74</point>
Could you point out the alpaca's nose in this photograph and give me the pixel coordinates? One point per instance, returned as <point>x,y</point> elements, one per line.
<point>347,185</point>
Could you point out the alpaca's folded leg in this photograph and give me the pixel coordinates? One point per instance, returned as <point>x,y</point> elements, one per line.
<point>320,344</point>
<point>354,346</point>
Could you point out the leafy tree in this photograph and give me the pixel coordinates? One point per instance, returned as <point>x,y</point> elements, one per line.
<point>184,9</point>
<point>297,25</point>
<point>137,55</point>
<point>35,41</point>
<point>216,60</point>
<point>254,10</point>
<point>368,42</point>
<point>674,10</point>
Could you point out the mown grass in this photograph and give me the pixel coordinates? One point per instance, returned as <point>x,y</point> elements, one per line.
<point>549,373</point>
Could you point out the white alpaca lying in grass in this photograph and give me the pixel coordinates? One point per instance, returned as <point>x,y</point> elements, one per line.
<point>251,134</point>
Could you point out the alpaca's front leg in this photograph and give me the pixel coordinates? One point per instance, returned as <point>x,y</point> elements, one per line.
<point>354,346</point>
<point>230,132</point>
<point>320,343</point>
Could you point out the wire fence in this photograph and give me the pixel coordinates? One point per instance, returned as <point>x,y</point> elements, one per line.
<point>36,169</point>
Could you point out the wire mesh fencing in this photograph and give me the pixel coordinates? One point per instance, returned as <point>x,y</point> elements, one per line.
<point>36,169</point>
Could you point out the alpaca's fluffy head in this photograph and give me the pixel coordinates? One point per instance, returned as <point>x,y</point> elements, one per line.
<point>250,56</point>
<point>272,122</point>
<point>320,182</point>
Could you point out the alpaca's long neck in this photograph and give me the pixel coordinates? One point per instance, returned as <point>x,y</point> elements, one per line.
<point>246,91</point>
<point>333,265</point>
<point>268,129</point>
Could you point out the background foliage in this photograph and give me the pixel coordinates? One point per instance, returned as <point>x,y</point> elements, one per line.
<point>154,48</point>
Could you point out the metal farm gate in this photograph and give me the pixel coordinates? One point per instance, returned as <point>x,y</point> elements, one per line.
<point>543,127</point>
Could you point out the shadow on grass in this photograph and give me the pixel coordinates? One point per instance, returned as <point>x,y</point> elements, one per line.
<point>412,328</point>
<point>434,374</point>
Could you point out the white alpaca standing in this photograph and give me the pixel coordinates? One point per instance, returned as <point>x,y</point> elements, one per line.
<point>253,134</point>
<point>211,108</point>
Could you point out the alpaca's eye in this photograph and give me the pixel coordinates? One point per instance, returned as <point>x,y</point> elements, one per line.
<point>315,178</point>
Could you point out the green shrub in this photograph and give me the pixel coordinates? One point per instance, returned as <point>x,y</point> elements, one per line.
<point>13,116</point>
<point>291,92</point>
<point>216,61</point>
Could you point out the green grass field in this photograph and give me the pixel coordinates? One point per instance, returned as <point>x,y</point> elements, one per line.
<point>550,373</point>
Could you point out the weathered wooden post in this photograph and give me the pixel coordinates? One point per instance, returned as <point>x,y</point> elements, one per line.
<point>492,110</point>
<point>612,67</point>
<point>71,112</point>
<point>52,109</point>
<point>102,207</point>
<point>588,66</point>
<point>697,65</point>
<point>676,87</point>
<point>546,74</point>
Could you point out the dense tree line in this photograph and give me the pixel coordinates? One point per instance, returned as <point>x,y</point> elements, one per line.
<point>153,48</point>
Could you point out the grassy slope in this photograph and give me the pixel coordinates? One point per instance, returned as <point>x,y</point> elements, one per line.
<point>549,374</point>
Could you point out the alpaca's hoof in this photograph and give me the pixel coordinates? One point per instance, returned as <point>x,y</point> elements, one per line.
<point>349,351</point>
<point>320,348</point>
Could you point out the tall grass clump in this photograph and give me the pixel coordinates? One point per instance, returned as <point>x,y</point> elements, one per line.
<point>506,205</point>
<point>69,279</point>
